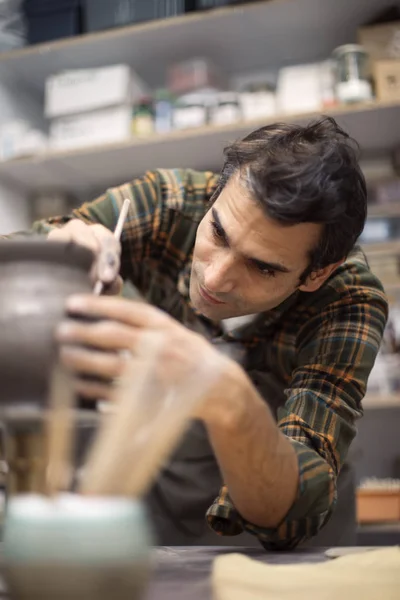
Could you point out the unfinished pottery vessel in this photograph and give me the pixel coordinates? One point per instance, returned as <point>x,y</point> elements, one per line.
<point>36,277</point>
<point>76,548</point>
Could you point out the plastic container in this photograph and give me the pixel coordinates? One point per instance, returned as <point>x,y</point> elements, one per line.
<point>106,14</point>
<point>94,128</point>
<point>226,110</point>
<point>190,111</point>
<point>143,117</point>
<point>352,74</point>
<point>52,19</point>
<point>194,74</point>
<point>257,101</point>
<point>163,111</point>
<point>83,90</point>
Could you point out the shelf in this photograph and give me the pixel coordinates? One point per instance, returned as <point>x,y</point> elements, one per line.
<point>392,288</point>
<point>382,249</point>
<point>384,210</point>
<point>89,170</point>
<point>256,36</point>
<point>376,401</point>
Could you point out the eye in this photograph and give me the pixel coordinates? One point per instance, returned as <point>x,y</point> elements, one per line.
<point>218,232</point>
<point>263,270</point>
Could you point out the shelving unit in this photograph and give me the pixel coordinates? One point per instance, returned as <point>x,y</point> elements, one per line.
<point>259,35</point>
<point>384,210</point>
<point>87,169</point>
<point>372,401</point>
<point>380,250</point>
<point>264,35</point>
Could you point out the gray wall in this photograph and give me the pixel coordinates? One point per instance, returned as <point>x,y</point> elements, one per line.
<point>376,450</point>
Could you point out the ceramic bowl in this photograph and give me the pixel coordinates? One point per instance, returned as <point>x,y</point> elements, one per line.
<point>76,548</point>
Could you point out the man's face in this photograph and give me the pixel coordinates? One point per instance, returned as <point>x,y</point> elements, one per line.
<point>245,262</point>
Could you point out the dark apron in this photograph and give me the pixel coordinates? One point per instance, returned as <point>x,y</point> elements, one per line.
<point>191,481</point>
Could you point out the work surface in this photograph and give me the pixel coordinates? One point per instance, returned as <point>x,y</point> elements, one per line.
<point>184,573</point>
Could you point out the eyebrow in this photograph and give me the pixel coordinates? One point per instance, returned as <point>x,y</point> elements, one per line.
<point>272,266</point>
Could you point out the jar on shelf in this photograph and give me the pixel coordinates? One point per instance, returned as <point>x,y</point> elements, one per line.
<point>163,111</point>
<point>352,74</point>
<point>143,117</point>
<point>257,101</point>
<point>226,109</point>
<point>190,111</point>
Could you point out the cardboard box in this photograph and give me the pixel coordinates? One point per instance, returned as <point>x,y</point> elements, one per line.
<point>81,90</point>
<point>381,41</point>
<point>299,89</point>
<point>378,506</point>
<point>104,126</point>
<point>387,80</point>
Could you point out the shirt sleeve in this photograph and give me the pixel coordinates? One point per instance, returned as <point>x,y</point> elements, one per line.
<point>143,216</point>
<point>336,351</point>
<point>141,230</point>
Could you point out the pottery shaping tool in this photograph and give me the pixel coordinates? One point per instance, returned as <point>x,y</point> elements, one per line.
<point>99,286</point>
<point>151,414</point>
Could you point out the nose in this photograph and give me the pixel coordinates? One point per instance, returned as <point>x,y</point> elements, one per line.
<point>219,274</point>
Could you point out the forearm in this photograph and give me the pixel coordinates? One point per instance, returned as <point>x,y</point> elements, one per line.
<point>258,462</point>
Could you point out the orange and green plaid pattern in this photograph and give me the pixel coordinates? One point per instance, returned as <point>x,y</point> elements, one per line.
<point>321,346</point>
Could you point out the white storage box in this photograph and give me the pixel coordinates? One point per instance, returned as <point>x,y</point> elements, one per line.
<point>299,89</point>
<point>257,105</point>
<point>104,126</point>
<point>83,90</point>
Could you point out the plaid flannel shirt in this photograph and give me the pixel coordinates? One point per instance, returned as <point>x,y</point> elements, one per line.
<point>320,345</point>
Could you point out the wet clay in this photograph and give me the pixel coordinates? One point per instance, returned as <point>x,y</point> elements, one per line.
<point>36,277</point>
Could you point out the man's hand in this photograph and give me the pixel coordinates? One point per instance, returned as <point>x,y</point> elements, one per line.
<point>258,463</point>
<point>99,350</point>
<point>102,243</point>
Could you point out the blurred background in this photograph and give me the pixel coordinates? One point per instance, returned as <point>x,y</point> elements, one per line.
<point>94,92</point>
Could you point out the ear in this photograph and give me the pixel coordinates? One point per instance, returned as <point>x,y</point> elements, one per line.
<point>317,278</point>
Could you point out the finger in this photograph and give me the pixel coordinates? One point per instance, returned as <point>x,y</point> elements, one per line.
<point>108,365</point>
<point>103,335</point>
<point>93,390</point>
<point>136,314</point>
<point>114,288</point>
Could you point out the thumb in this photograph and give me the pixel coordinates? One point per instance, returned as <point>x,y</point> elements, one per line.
<point>108,263</point>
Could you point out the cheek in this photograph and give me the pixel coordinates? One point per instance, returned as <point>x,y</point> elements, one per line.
<point>268,291</point>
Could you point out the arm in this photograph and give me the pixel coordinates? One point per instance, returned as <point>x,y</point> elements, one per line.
<point>336,352</point>
<point>92,224</point>
<point>104,210</point>
<point>258,462</point>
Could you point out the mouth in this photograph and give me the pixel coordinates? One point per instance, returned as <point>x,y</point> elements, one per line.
<point>208,298</point>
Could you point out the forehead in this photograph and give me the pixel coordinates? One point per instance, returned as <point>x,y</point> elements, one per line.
<point>252,233</point>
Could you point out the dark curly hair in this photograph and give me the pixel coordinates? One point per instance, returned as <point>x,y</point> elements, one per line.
<point>304,174</point>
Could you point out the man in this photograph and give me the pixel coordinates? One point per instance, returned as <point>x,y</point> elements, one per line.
<point>271,241</point>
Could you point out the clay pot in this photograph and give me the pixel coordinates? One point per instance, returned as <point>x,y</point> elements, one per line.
<point>36,278</point>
